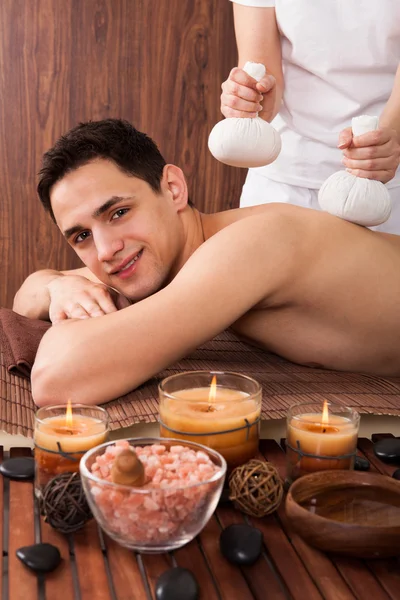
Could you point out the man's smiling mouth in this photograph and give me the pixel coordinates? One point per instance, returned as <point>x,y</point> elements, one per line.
<point>128,265</point>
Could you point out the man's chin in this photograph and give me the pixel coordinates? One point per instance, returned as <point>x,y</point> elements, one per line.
<point>134,296</point>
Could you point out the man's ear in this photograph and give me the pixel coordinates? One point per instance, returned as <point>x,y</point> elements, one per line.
<point>174,183</point>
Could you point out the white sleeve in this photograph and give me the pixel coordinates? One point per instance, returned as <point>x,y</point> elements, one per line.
<point>258,3</point>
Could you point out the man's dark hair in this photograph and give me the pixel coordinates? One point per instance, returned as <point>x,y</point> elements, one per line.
<point>111,139</point>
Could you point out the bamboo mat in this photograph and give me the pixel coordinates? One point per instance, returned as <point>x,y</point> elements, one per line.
<point>283,382</point>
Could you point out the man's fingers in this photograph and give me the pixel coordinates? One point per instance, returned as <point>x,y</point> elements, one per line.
<point>56,316</point>
<point>105,301</point>
<point>76,311</point>
<point>92,309</point>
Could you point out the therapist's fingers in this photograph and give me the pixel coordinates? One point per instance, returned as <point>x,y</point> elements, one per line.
<point>372,164</point>
<point>382,176</point>
<point>345,138</point>
<point>266,84</point>
<point>378,137</point>
<point>232,106</point>
<point>235,88</point>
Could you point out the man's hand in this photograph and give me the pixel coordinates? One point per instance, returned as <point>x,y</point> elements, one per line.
<point>373,155</point>
<point>242,96</point>
<point>76,297</point>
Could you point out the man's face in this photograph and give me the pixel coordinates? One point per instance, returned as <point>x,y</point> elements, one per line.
<point>126,234</point>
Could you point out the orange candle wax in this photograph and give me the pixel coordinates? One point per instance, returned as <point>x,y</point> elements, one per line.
<point>228,422</point>
<point>328,442</point>
<point>61,440</point>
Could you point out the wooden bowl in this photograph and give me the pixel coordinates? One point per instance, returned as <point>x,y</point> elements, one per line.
<point>347,512</point>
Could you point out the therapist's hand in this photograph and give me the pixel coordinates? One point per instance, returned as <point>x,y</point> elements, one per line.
<point>243,97</point>
<point>373,155</point>
<point>76,297</point>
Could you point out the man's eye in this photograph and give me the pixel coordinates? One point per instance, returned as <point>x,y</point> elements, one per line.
<point>119,213</point>
<point>82,237</point>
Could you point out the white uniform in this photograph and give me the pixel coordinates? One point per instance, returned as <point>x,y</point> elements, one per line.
<point>339,61</point>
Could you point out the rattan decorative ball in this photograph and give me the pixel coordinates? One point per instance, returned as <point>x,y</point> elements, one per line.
<point>255,488</point>
<point>64,504</point>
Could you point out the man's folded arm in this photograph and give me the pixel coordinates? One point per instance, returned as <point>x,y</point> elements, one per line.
<point>96,360</point>
<point>32,300</point>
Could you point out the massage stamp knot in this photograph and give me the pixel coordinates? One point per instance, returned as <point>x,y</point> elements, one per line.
<point>255,488</point>
<point>64,504</point>
<point>127,469</point>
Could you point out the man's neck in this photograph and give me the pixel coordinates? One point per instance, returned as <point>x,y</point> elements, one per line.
<point>193,237</point>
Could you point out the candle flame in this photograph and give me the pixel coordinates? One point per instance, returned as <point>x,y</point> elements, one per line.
<point>213,390</point>
<point>68,416</point>
<point>325,413</point>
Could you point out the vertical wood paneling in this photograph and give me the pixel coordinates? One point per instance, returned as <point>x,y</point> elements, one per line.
<point>158,63</point>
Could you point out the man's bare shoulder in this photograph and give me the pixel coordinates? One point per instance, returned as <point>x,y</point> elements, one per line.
<point>280,218</point>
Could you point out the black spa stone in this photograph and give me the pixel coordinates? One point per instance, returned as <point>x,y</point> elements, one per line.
<point>241,544</point>
<point>396,474</point>
<point>41,558</point>
<point>388,450</point>
<point>22,468</point>
<point>361,464</point>
<point>177,584</point>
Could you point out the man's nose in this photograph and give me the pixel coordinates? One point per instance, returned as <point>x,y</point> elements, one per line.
<point>107,247</point>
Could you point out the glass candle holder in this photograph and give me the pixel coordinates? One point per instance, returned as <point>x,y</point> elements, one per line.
<point>61,438</point>
<point>217,409</point>
<point>319,438</point>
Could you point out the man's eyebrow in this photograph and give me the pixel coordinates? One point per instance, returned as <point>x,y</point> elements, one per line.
<point>97,213</point>
<point>104,207</point>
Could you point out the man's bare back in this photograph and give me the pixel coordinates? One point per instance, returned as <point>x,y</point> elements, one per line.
<point>342,309</point>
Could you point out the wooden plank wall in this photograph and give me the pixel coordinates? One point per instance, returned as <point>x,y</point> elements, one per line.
<point>158,63</point>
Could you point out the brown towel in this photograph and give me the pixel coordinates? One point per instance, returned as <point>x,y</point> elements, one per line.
<point>19,341</point>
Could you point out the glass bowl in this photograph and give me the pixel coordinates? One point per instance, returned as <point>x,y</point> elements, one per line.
<point>157,519</point>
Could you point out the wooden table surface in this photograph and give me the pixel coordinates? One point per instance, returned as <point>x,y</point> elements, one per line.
<point>95,567</point>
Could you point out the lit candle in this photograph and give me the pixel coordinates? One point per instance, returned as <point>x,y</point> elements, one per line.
<point>320,441</point>
<point>62,436</point>
<point>224,415</point>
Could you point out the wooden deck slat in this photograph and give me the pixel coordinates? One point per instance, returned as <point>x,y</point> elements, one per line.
<point>191,557</point>
<point>321,569</point>
<point>360,580</point>
<point>261,575</point>
<point>127,580</point>
<point>231,583</point>
<point>22,581</point>
<point>386,571</point>
<point>61,578</point>
<point>90,563</point>
<point>154,566</point>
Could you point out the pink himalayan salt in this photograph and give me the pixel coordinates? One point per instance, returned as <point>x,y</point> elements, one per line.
<point>166,511</point>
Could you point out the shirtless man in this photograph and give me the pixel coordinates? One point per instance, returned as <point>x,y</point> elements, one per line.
<point>311,287</point>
